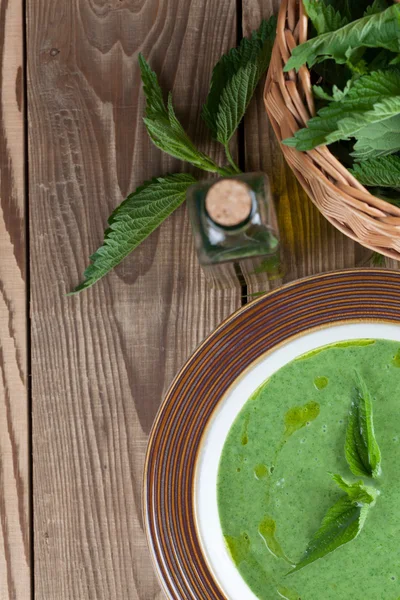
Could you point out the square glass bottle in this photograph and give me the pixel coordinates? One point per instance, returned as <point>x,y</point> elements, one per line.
<point>233,220</point>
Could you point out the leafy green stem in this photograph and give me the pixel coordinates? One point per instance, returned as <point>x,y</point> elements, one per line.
<point>234,80</point>
<point>227,171</point>
<point>212,167</point>
<point>230,159</point>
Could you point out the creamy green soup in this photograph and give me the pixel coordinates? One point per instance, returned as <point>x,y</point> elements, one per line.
<point>274,486</point>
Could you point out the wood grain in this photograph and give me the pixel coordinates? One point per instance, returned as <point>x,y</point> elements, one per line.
<point>309,243</point>
<point>102,361</point>
<point>14,430</point>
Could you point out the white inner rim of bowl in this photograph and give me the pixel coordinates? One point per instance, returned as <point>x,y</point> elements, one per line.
<point>225,572</point>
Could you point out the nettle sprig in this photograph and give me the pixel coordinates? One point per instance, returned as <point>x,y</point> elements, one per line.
<point>234,80</point>
<point>354,54</point>
<point>345,519</point>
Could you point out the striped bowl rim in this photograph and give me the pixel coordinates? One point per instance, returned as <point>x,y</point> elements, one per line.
<point>175,439</point>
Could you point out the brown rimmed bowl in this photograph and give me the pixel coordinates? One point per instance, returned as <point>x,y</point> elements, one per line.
<point>176,514</point>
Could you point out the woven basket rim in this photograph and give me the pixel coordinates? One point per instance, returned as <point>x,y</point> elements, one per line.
<point>340,197</point>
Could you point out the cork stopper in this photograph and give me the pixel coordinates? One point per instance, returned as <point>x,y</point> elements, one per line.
<point>228,202</point>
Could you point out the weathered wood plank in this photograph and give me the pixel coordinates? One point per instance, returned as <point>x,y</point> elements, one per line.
<point>309,243</point>
<point>102,361</point>
<point>14,422</point>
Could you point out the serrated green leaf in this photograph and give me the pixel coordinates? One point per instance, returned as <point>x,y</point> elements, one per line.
<point>314,135</point>
<point>321,94</point>
<point>336,95</point>
<point>371,98</point>
<point>341,524</point>
<point>357,492</point>
<point>376,7</point>
<point>362,451</point>
<point>343,521</point>
<point>346,8</point>
<point>234,101</point>
<point>352,125</point>
<point>134,220</point>
<point>352,9</point>
<point>234,80</point>
<point>155,106</point>
<point>163,127</point>
<point>340,94</point>
<point>382,172</point>
<point>323,16</point>
<point>378,139</point>
<point>380,30</point>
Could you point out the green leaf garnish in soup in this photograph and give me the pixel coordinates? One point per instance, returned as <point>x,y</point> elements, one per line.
<point>342,523</point>
<point>362,451</point>
<point>358,492</point>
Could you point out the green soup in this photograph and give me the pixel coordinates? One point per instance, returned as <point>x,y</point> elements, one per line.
<point>274,486</point>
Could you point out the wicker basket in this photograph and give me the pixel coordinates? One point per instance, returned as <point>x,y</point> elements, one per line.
<point>289,102</point>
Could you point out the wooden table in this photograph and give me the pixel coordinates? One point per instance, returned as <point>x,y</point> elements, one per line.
<point>82,377</point>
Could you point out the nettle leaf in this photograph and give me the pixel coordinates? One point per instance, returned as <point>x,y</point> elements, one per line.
<point>234,80</point>
<point>378,139</point>
<point>352,125</point>
<point>163,127</point>
<point>345,7</point>
<point>362,451</point>
<point>370,99</point>
<point>323,16</point>
<point>376,7</point>
<point>340,94</point>
<point>352,9</point>
<point>358,492</point>
<point>234,101</point>
<point>320,93</point>
<point>381,172</point>
<point>315,134</point>
<point>341,524</point>
<point>379,30</point>
<point>337,94</point>
<point>134,220</point>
